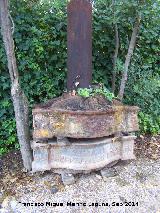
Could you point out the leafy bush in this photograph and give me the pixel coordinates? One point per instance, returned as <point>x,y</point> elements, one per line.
<point>148,123</point>
<point>8,137</point>
<point>41,52</point>
<point>85,92</point>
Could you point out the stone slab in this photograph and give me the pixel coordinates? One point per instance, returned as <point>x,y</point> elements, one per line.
<point>49,123</point>
<point>82,155</point>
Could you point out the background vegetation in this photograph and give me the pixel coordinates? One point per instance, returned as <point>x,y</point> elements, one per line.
<point>41,51</point>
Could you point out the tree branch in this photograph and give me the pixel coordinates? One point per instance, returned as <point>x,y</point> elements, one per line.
<point>115,58</point>
<point>13,26</point>
<point>128,57</point>
<point>8,40</point>
<point>19,99</point>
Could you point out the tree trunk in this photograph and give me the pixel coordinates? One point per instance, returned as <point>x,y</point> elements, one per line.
<point>128,57</point>
<point>115,58</point>
<point>20,102</point>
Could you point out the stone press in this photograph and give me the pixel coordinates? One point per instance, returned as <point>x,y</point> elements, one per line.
<point>70,140</point>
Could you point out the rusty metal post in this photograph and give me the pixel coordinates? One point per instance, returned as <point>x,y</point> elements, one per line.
<point>79,42</point>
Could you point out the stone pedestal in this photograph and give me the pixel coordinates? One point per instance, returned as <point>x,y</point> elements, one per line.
<point>81,155</point>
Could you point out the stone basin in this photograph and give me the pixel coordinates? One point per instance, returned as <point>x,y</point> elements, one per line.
<point>53,120</point>
<point>73,134</point>
<point>81,155</point>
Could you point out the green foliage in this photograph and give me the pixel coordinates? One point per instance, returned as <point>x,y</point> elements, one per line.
<point>143,86</point>
<point>85,92</point>
<point>41,51</point>
<point>8,137</point>
<point>149,124</point>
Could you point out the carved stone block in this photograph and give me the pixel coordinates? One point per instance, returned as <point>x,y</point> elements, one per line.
<point>49,123</point>
<point>82,155</point>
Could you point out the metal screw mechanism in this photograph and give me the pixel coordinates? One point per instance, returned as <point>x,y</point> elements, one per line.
<point>79,42</point>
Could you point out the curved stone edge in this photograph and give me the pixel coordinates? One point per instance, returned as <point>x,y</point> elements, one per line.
<point>84,126</point>
<point>82,157</point>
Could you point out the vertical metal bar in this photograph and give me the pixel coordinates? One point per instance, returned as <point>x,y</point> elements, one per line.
<point>79,42</point>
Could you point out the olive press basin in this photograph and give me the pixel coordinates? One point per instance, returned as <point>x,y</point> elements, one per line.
<point>81,155</point>
<point>49,123</point>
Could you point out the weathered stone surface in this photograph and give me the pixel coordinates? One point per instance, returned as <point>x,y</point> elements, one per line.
<point>54,189</point>
<point>67,179</point>
<point>112,164</point>
<point>108,172</point>
<point>49,123</point>
<point>82,155</point>
<point>62,141</point>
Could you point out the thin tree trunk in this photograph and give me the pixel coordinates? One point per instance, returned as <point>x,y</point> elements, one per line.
<point>128,57</point>
<point>20,102</point>
<point>115,58</point>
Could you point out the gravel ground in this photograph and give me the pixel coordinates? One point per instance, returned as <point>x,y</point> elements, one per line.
<point>137,182</point>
